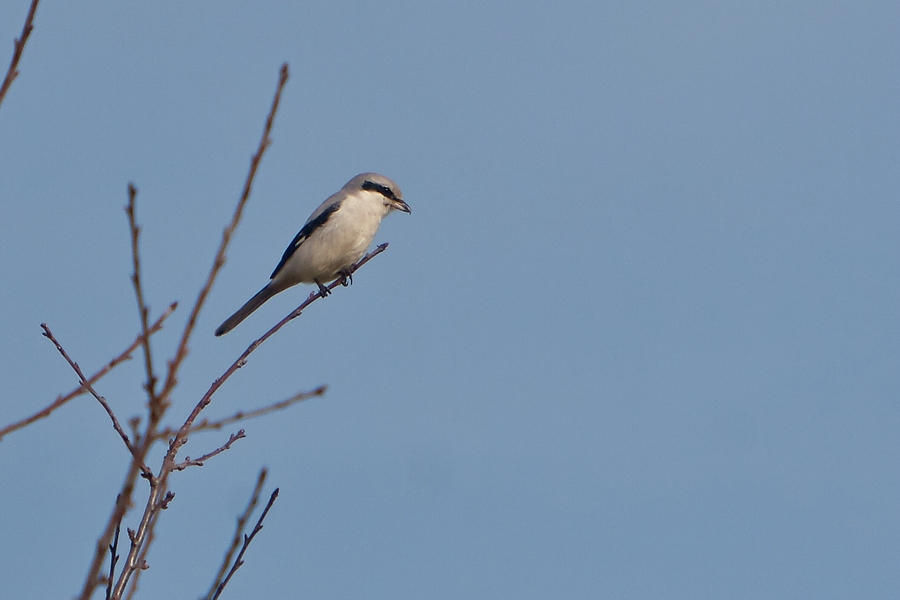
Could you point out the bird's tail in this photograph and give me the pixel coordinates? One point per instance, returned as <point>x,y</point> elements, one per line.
<point>243,312</point>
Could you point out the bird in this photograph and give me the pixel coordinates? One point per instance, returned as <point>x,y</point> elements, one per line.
<point>336,235</point>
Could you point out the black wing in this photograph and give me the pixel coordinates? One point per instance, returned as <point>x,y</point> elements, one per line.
<point>304,233</point>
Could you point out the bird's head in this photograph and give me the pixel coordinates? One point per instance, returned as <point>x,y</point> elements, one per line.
<point>379,184</point>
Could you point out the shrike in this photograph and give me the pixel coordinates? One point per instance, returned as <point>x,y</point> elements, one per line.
<point>335,236</point>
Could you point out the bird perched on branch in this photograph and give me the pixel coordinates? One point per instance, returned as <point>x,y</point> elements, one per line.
<point>335,236</point>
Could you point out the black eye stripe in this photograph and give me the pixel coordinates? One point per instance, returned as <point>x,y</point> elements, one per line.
<point>381,189</point>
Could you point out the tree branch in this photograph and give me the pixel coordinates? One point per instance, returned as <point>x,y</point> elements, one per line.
<point>18,48</point>
<point>84,382</point>
<point>264,143</point>
<point>181,436</point>
<point>198,462</point>
<point>143,311</point>
<point>238,562</point>
<point>238,533</point>
<point>142,561</point>
<point>60,400</point>
<point>113,559</point>
<point>243,416</point>
<point>158,485</point>
<point>239,416</point>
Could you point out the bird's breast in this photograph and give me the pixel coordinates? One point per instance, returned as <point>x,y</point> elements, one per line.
<point>337,244</point>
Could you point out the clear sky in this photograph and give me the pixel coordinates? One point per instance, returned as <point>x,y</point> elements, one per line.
<point>639,337</point>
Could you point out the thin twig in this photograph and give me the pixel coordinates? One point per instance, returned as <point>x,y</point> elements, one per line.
<point>239,416</point>
<point>159,483</point>
<point>264,143</point>
<point>142,561</point>
<point>143,311</point>
<point>181,436</point>
<point>113,559</point>
<point>60,400</point>
<point>18,48</point>
<point>198,462</point>
<point>109,411</point>
<point>243,416</point>
<point>238,533</point>
<point>154,407</point>
<point>123,503</point>
<point>247,539</point>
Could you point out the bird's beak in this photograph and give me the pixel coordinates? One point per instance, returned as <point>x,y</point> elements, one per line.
<point>401,205</point>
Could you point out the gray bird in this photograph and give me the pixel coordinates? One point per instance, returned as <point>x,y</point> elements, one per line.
<point>335,236</point>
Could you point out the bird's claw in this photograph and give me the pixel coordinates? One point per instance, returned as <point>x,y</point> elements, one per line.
<point>346,278</point>
<point>322,289</point>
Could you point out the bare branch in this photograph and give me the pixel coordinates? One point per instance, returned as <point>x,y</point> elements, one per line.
<point>122,505</point>
<point>238,533</point>
<point>159,484</point>
<point>109,411</point>
<point>241,415</point>
<point>18,48</point>
<point>247,539</point>
<point>198,462</point>
<point>160,504</point>
<point>181,437</point>
<point>143,311</point>
<point>313,296</point>
<point>81,389</point>
<point>123,501</point>
<point>113,559</point>
<point>142,561</point>
<point>264,142</point>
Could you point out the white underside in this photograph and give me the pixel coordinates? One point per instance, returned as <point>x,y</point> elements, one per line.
<point>343,240</point>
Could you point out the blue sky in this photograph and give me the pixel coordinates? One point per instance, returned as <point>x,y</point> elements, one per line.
<point>638,338</point>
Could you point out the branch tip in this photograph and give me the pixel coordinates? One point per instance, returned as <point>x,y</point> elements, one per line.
<point>18,47</point>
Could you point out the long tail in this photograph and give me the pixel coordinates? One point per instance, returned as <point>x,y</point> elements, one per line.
<point>243,312</point>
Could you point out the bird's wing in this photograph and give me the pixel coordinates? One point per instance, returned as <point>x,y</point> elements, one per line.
<point>313,224</point>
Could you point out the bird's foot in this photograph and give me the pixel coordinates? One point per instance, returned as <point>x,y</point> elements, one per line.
<point>322,289</point>
<point>346,278</point>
